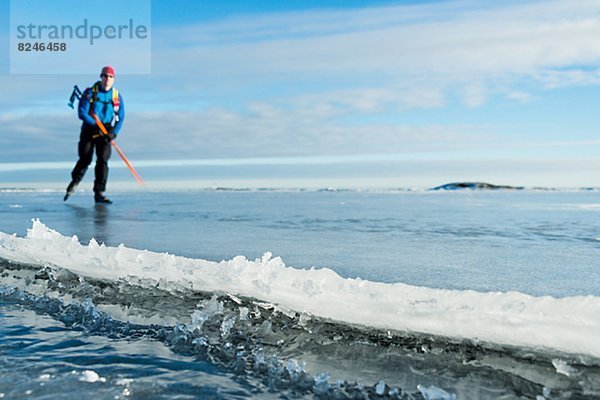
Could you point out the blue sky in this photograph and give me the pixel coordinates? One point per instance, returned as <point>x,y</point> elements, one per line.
<point>401,93</point>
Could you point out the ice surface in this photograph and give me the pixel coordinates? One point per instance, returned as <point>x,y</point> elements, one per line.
<point>567,324</point>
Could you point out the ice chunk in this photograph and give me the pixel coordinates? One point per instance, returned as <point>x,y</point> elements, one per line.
<point>305,317</point>
<point>208,309</point>
<point>91,377</point>
<point>295,369</point>
<point>547,392</point>
<point>321,386</point>
<point>266,257</point>
<point>226,325</point>
<point>260,362</point>
<point>563,368</point>
<point>234,298</point>
<point>380,388</point>
<point>435,393</point>
<point>200,341</point>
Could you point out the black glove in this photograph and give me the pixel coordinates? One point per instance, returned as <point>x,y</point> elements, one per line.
<point>110,136</point>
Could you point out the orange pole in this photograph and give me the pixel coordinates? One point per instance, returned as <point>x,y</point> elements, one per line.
<point>137,177</point>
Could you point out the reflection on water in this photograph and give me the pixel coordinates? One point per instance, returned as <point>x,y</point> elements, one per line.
<point>99,217</point>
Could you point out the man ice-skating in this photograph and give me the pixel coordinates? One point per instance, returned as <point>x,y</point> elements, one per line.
<point>105,102</point>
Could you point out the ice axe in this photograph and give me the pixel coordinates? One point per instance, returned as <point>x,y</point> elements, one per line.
<point>137,177</point>
<point>75,95</point>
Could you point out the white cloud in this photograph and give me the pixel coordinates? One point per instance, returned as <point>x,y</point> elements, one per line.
<point>552,79</point>
<point>386,58</point>
<point>520,96</point>
<point>216,133</point>
<point>498,39</point>
<point>474,95</point>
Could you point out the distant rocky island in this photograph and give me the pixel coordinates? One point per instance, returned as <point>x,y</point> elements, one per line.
<point>475,186</point>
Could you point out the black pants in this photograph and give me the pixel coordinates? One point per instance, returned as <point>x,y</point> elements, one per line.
<point>92,139</point>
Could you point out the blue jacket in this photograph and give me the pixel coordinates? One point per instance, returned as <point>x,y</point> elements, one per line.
<point>102,107</point>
